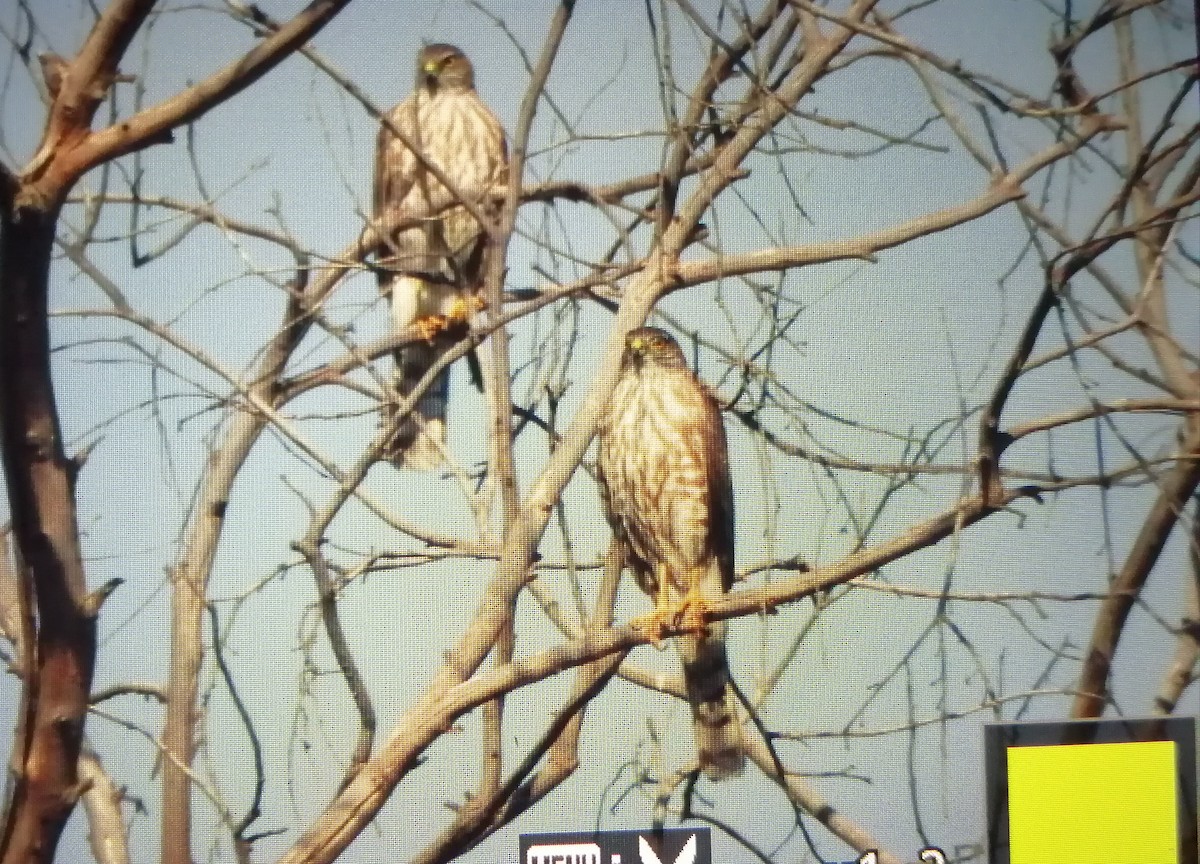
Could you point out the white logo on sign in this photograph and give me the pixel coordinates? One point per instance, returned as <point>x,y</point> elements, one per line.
<point>687,855</point>
<point>563,853</point>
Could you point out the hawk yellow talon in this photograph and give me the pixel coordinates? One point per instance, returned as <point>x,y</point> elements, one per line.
<point>464,306</point>
<point>431,325</point>
<point>689,614</point>
<point>693,617</point>
<point>459,311</point>
<point>692,611</point>
<point>652,624</point>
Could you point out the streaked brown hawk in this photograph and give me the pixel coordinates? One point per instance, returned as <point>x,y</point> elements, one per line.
<point>664,476</point>
<point>432,270</point>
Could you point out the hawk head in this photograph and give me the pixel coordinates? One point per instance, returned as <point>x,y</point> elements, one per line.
<point>649,348</point>
<point>442,66</point>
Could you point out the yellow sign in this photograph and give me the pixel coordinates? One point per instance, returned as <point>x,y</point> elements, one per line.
<point>1093,804</point>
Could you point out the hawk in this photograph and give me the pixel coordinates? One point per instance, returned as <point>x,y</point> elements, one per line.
<point>431,267</point>
<point>663,467</point>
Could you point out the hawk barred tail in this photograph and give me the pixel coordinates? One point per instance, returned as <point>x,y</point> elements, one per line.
<point>663,466</point>
<point>431,264</point>
<point>715,726</point>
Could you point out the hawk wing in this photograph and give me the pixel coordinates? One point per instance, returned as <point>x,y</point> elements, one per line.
<point>719,487</point>
<point>716,728</point>
<point>460,135</point>
<point>401,192</point>
<point>395,164</point>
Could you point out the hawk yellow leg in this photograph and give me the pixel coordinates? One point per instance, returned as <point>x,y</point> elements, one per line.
<point>690,613</point>
<point>654,623</point>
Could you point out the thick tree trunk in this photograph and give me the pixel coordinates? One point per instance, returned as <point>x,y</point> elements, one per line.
<point>41,481</point>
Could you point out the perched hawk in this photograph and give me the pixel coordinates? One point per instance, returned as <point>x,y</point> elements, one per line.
<point>432,271</point>
<point>664,476</point>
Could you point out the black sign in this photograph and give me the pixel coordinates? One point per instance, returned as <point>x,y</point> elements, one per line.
<point>668,846</point>
<point>1002,740</point>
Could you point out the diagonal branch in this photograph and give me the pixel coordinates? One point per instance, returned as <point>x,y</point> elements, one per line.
<point>84,82</point>
<point>1178,486</point>
<point>68,150</point>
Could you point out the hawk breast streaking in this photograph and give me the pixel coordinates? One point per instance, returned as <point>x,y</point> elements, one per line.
<point>664,475</point>
<point>431,268</point>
